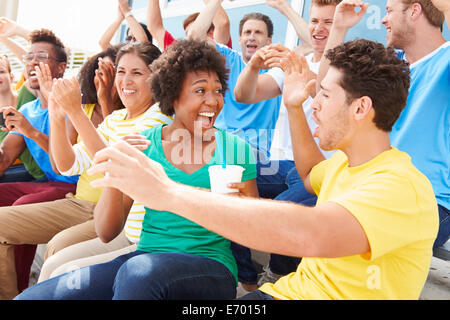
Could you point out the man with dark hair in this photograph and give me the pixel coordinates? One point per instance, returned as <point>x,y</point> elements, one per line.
<point>415,28</point>
<point>29,127</point>
<point>371,232</point>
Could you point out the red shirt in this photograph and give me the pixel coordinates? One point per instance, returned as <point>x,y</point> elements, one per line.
<point>169,39</point>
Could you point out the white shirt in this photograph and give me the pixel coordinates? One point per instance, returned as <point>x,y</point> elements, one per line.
<point>282,142</point>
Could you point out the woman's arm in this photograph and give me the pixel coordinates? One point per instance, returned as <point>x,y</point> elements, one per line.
<point>111,213</point>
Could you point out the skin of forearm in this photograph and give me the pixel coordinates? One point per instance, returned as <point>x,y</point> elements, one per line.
<point>41,139</point>
<point>199,28</point>
<point>136,29</point>
<point>87,132</point>
<point>109,217</point>
<point>282,227</point>
<point>61,148</point>
<point>304,148</point>
<point>299,24</point>
<point>15,48</point>
<point>246,84</point>
<point>105,40</point>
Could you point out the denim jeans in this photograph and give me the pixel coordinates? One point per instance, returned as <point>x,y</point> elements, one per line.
<point>16,173</point>
<point>141,275</point>
<point>278,180</point>
<point>444,227</point>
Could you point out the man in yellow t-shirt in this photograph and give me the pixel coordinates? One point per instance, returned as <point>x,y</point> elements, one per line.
<point>370,236</point>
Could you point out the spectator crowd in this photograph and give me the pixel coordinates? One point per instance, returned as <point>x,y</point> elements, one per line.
<point>111,168</point>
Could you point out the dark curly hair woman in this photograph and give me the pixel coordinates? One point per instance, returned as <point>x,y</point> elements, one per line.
<point>175,258</point>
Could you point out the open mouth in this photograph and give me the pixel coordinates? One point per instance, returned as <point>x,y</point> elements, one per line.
<point>319,38</point>
<point>206,119</point>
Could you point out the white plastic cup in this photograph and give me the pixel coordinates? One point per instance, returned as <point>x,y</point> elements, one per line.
<point>220,177</point>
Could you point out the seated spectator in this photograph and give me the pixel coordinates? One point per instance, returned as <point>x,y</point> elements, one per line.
<point>29,128</point>
<point>136,32</point>
<point>371,233</point>
<point>8,30</point>
<point>422,130</point>
<point>218,25</point>
<point>40,222</point>
<point>139,114</point>
<point>175,258</point>
<point>279,179</point>
<point>255,122</point>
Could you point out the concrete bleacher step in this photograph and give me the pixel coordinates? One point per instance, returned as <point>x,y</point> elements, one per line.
<point>443,252</point>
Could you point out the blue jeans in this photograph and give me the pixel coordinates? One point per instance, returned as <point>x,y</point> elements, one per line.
<point>16,173</point>
<point>278,180</point>
<point>141,275</point>
<point>444,227</point>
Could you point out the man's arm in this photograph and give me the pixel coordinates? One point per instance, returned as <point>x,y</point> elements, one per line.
<point>10,149</point>
<point>327,230</point>
<point>299,24</point>
<point>105,40</point>
<point>154,22</point>
<point>345,17</point>
<point>17,122</point>
<point>444,7</point>
<point>252,87</point>
<point>297,88</point>
<point>135,27</point>
<point>221,26</point>
<point>199,28</point>
<point>10,29</point>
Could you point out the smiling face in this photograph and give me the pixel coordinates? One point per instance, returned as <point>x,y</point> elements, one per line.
<point>399,30</point>
<point>253,37</point>
<point>332,113</point>
<point>200,101</point>
<point>5,76</point>
<point>320,22</point>
<point>132,81</point>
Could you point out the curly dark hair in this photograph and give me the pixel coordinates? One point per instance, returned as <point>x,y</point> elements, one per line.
<point>45,35</point>
<point>87,73</point>
<point>370,69</point>
<point>169,70</point>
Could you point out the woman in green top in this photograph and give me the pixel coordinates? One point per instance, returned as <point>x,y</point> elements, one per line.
<point>176,258</point>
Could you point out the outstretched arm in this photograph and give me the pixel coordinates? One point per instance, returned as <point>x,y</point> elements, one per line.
<point>327,230</point>
<point>135,27</point>
<point>199,28</point>
<point>10,29</point>
<point>252,87</point>
<point>105,40</point>
<point>299,24</point>
<point>221,26</point>
<point>154,22</point>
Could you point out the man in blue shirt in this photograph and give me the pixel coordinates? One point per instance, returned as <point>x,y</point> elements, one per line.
<point>422,130</point>
<point>29,127</point>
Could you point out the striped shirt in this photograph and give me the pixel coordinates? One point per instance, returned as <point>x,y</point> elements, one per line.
<point>113,128</point>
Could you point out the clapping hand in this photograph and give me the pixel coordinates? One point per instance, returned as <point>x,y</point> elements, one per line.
<point>297,82</point>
